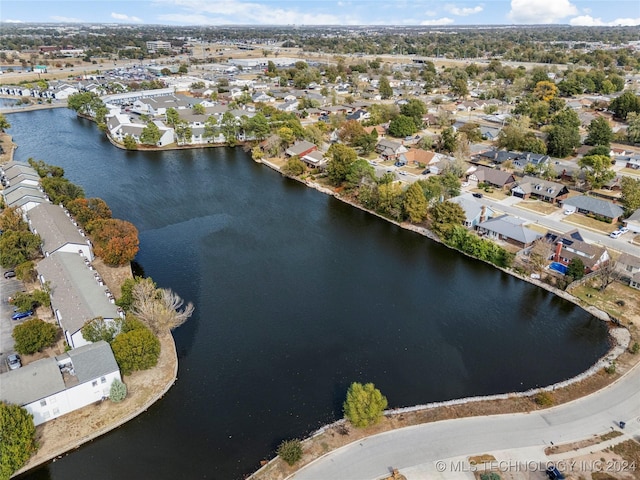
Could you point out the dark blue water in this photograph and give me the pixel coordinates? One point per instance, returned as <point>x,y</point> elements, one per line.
<point>297,295</point>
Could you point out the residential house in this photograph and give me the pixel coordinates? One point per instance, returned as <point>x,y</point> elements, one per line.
<point>570,245</point>
<point>418,156</point>
<point>588,205</point>
<point>51,387</point>
<point>19,173</point>
<point>628,268</point>
<point>78,294</point>
<point>261,97</point>
<point>633,222</point>
<point>544,190</point>
<point>380,130</point>
<point>475,212</point>
<point>359,115</point>
<point>314,159</point>
<point>390,150</point>
<point>58,231</point>
<point>494,157</point>
<point>490,176</point>
<point>24,197</point>
<point>300,149</point>
<point>509,229</point>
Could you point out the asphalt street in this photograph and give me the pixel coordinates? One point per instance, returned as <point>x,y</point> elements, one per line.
<point>424,448</point>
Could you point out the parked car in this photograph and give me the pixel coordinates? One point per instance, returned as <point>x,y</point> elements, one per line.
<point>615,234</point>
<point>477,195</point>
<point>623,230</point>
<point>553,473</point>
<point>21,315</point>
<point>9,274</point>
<point>13,361</point>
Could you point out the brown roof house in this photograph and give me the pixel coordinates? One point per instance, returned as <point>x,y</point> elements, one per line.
<point>570,245</point>
<point>491,176</point>
<point>544,190</point>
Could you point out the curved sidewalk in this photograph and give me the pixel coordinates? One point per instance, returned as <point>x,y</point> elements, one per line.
<point>421,448</point>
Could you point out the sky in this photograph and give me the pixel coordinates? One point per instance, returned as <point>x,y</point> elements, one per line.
<point>324,12</point>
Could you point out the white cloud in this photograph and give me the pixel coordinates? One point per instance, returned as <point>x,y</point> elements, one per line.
<point>438,21</point>
<point>589,21</point>
<point>11,21</point>
<point>58,18</point>
<point>463,12</point>
<point>541,11</point>
<point>126,18</point>
<point>202,12</point>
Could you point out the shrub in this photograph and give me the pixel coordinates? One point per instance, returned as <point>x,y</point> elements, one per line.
<point>34,335</point>
<point>118,391</point>
<point>544,399</point>
<point>137,349</point>
<point>290,451</point>
<point>611,369</point>
<point>635,348</point>
<point>18,435</point>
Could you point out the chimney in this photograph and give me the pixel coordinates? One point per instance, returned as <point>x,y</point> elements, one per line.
<point>556,257</point>
<point>483,213</point>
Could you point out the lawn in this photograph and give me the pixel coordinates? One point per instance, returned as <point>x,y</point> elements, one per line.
<point>590,223</point>
<point>607,300</point>
<point>537,206</point>
<point>492,193</point>
<point>631,171</point>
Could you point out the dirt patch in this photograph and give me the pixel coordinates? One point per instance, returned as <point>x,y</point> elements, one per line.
<point>113,277</point>
<point>567,447</point>
<point>8,147</point>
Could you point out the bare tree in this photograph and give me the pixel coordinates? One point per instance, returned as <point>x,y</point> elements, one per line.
<point>159,308</point>
<point>607,274</point>
<point>539,255</point>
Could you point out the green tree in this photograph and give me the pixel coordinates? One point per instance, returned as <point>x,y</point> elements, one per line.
<point>26,271</point>
<point>4,123</point>
<point>445,216</point>
<point>137,349</point>
<point>448,140</point>
<point>98,329</point>
<point>17,247</point>
<point>117,391</point>
<point>172,116</point>
<point>415,109</point>
<point>597,169</point>
<point>459,88</point>
<point>600,132</point>
<point>562,140</point>
<point>61,190</point>
<point>360,172</point>
<point>340,159</point>
<point>290,451</point>
<point>129,142</point>
<point>258,126</point>
<point>385,88</point>
<point>183,69</point>
<point>633,128</point>
<point>150,134</point>
<point>630,194</point>
<point>402,126</point>
<point>415,203</point>
<point>18,438</point>
<point>198,109</point>
<point>364,404</point>
<point>390,197</point>
<point>624,104</point>
<point>286,136</point>
<point>33,335</point>
<point>293,167</point>
<point>575,269</point>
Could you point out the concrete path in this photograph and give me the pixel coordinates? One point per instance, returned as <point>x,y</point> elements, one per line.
<point>436,450</point>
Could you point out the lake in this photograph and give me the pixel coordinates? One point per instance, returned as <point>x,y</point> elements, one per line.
<point>297,295</point>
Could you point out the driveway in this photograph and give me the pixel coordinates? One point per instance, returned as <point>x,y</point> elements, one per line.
<point>7,288</point>
<point>420,450</point>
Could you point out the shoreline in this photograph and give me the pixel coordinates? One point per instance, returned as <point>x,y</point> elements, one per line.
<point>619,338</point>
<point>618,344</point>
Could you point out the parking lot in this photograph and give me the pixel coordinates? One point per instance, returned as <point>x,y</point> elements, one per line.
<point>8,286</point>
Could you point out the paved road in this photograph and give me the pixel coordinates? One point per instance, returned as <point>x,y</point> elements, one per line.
<point>553,222</point>
<point>420,448</point>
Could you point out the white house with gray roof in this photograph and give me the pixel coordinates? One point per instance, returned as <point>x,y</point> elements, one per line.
<point>78,294</point>
<point>594,206</point>
<point>509,229</point>
<point>24,197</point>
<point>58,231</point>
<point>52,387</point>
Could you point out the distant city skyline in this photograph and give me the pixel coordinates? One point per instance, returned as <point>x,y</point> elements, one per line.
<point>324,12</point>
